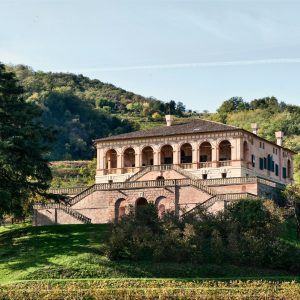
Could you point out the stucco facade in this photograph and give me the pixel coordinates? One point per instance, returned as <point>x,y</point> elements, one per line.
<point>177,167</point>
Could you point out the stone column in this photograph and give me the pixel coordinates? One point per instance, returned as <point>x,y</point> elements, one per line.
<point>239,152</point>
<point>138,158</point>
<point>195,155</point>
<point>214,154</point>
<point>176,154</point>
<point>100,161</point>
<point>119,161</point>
<point>156,156</point>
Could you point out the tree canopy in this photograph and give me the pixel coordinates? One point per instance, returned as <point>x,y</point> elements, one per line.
<point>24,144</point>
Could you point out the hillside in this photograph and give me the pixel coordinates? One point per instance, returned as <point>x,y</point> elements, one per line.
<point>81,109</point>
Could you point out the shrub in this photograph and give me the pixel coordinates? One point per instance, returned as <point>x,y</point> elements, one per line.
<point>246,233</point>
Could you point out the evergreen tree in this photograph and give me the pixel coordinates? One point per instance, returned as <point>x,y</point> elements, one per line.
<point>24,171</point>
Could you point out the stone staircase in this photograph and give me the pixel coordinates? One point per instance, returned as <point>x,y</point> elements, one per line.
<point>77,215</point>
<point>195,181</point>
<point>68,210</point>
<point>220,197</point>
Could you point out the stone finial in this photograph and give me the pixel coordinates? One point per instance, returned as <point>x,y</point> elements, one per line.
<point>169,119</point>
<point>254,128</point>
<point>279,137</point>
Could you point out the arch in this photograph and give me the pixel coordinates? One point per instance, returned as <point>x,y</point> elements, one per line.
<point>111,159</point>
<point>224,150</point>
<point>129,158</point>
<point>205,152</point>
<point>161,210</point>
<point>120,209</point>
<point>186,153</point>
<point>158,200</point>
<point>141,202</point>
<point>289,169</point>
<point>147,156</point>
<point>161,207</point>
<point>166,155</point>
<point>246,157</point>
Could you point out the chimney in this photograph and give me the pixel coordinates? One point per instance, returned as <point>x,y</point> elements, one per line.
<point>169,119</point>
<point>279,137</point>
<point>254,127</point>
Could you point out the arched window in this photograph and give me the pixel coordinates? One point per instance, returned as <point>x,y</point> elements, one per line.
<point>186,152</point>
<point>161,210</point>
<point>147,156</point>
<point>119,209</point>
<point>224,151</point>
<point>160,205</point>
<point>246,157</point>
<point>205,155</point>
<point>111,160</point>
<point>141,201</point>
<point>166,155</point>
<point>129,159</point>
<point>224,154</point>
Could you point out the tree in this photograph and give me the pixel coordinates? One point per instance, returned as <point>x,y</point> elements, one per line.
<point>234,104</point>
<point>292,194</point>
<point>24,170</point>
<point>180,108</point>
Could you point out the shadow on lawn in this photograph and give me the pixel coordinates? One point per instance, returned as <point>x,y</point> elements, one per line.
<point>35,246</point>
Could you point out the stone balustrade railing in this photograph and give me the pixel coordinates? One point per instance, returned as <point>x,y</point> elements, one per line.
<point>236,196</point>
<point>67,191</point>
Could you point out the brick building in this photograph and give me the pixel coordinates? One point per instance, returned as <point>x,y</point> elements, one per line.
<point>178,167</point>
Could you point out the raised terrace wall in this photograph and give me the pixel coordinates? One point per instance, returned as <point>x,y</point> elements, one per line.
<point>103,203</point>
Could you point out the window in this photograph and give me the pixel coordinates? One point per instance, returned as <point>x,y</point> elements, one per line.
<point>284,172</point>
<point>204,176</point>
<point>261,145</point>
<point>224,175</point>
<point>253,160</point>
<point>276,170</point>
<point>265,163</point>
<point>261,163</point>
<point>203,158</point>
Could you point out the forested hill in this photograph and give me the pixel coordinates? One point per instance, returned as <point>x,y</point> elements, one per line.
<point>81,109</point>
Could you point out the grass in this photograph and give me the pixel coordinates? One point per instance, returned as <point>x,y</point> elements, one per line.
<point>151,289</point>
<point>68,262</point>
<point>77,251</point>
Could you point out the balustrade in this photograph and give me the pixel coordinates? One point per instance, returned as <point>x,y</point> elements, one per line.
<point>224,163</point>
<point>164,167</point>
<point>186,165</point>
<point>207,164</point>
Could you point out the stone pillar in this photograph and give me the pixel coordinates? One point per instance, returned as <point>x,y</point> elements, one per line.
<point>156,156</point>
<point>239,152</point>
<point>214,154</point>
<point>234,148</point>
<point>119,161</point>
<point>138,158</point>
<point>100,161</point>
<point>176,154</point>
<point>195,155</point>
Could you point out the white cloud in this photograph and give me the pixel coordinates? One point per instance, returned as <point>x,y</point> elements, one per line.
<point>194,65</point>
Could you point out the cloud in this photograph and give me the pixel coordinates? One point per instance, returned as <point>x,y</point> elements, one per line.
<point>195,65</point>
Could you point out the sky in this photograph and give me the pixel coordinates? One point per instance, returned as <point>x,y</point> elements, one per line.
<point>194,51</point>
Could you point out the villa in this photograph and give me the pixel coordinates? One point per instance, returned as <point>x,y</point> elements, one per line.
<point>178,167</point>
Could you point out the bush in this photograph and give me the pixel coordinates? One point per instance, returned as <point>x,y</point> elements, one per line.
<point>246,233</point>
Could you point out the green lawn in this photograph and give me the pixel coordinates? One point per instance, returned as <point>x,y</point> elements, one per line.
<point>77,251</point>
<point>68,262</point>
